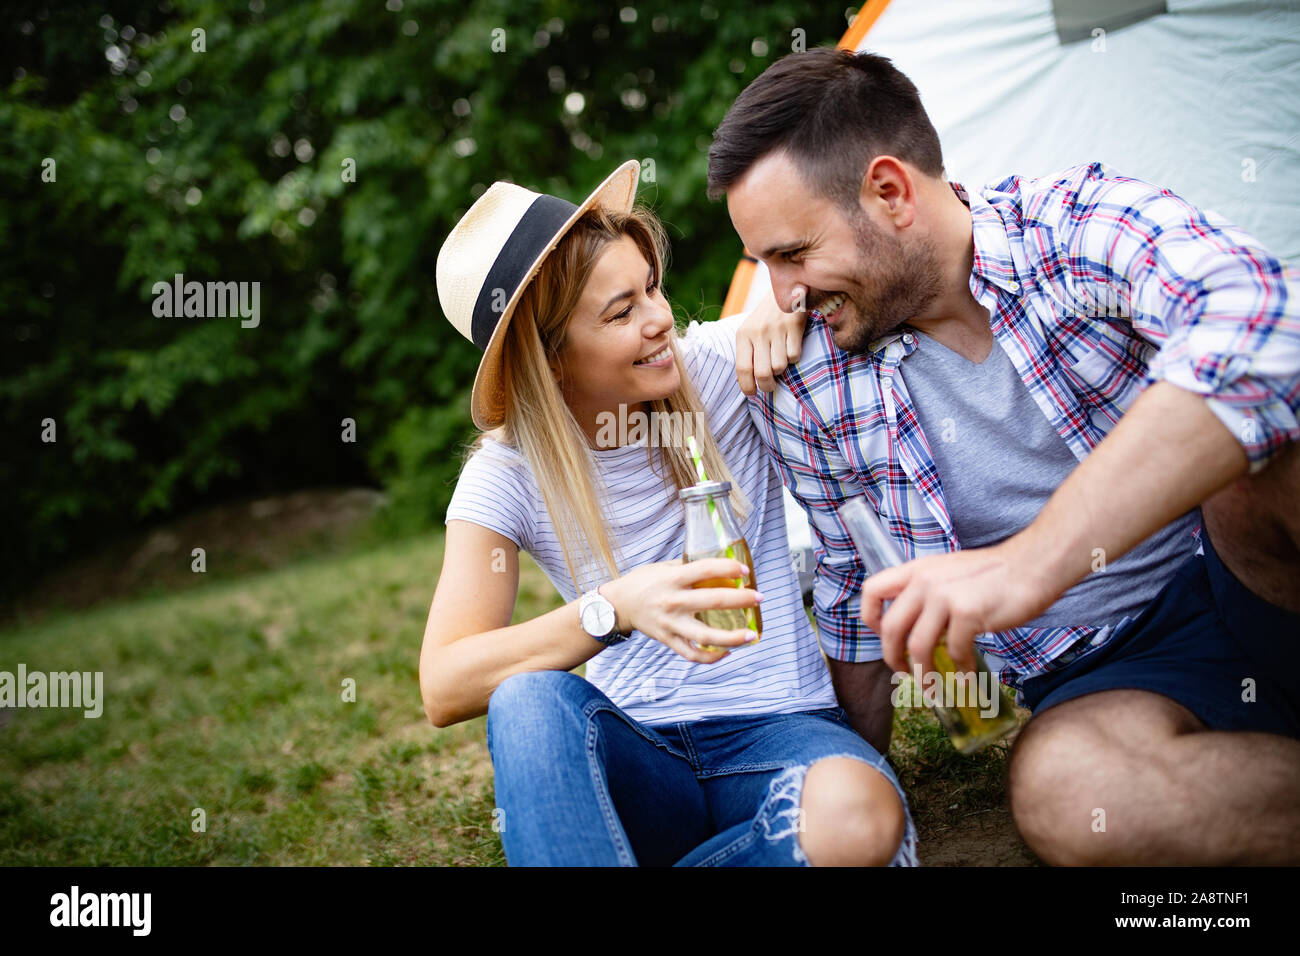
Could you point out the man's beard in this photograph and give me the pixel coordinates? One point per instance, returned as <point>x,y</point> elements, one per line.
<point>904,282</point>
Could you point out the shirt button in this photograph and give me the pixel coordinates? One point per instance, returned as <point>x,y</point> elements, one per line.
<point>909,338</point>
<point>1013,286</point>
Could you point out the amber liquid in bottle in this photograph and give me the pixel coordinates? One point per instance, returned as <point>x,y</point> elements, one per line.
<point>968,726</point>
<point>731,618</point>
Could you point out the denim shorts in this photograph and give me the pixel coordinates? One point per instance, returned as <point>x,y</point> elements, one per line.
<point>1205,641</point>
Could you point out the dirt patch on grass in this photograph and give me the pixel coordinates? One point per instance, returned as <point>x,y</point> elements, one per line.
<point>237,538</point>
<point>959,803</point>
<point>473,762</point>
<point>979,838</point>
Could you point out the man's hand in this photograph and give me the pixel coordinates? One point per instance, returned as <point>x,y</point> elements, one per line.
<point>965,593</point>
<point>766,343</point>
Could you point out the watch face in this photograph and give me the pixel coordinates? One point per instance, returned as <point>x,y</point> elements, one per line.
<point>598,619</point>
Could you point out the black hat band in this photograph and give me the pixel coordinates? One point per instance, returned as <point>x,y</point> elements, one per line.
<point>534,232</point>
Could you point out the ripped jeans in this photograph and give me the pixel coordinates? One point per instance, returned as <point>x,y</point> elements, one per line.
<point>580,783</point>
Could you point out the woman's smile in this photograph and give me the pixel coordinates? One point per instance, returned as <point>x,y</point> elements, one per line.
<point>661,359</point>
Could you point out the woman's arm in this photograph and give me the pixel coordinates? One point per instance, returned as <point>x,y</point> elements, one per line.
<point>470,647</point>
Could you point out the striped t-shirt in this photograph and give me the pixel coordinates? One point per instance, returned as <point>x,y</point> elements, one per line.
<point>784,672</point>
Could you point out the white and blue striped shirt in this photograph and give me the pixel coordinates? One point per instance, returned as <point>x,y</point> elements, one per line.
<point>784,672</point>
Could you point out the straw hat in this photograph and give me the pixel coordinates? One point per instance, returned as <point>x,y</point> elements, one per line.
<point>493,253</point>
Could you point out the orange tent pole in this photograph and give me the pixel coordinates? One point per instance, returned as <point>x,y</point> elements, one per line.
<point>741,280</point>
<point>867,16</point>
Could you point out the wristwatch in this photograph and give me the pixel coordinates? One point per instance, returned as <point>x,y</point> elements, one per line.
<point>599,618</point>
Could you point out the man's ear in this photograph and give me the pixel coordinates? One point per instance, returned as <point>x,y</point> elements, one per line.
<point>888,187</point>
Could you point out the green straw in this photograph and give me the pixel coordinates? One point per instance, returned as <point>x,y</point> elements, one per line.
<point>699,462</point>
<point>713,510</point>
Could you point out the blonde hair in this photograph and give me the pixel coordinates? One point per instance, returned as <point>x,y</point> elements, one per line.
<point>538,423</point>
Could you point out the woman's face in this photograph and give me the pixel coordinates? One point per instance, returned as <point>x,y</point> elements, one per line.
<point>616,349</point>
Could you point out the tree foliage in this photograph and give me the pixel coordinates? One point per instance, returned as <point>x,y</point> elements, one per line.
<point>222,155</point>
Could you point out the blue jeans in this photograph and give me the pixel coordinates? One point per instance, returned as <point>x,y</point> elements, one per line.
<point>583,784</point>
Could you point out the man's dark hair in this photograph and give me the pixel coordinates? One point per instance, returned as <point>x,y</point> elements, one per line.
<point>834,112</point>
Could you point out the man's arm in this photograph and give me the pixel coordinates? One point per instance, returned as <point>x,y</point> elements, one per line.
<point>1214,301</point>
<point>1224,399</point>
<point>762,343</point>
<point>1167,454</point>
<point>819,478</point>
<point>865,691</point>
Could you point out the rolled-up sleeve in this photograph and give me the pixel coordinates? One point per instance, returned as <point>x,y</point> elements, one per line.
<point>1222,311</point>
<point>812,468</point>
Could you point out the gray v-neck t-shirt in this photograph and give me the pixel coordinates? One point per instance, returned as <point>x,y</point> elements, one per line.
<point>999,459</point>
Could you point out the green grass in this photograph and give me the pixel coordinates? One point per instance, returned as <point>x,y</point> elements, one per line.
<point>229,698</point>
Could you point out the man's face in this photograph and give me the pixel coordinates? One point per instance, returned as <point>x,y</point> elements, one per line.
<point>865,278</point>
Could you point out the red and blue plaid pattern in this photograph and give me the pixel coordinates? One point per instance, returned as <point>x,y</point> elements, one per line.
<point>1097,285</point>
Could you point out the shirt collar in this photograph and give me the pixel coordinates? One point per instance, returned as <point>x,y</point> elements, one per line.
<point>992,263</point>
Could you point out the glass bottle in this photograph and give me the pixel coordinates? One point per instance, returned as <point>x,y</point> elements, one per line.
<point>712,532</point>
<point>975,709</point>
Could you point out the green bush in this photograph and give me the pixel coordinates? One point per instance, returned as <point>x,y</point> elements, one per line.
<point>229,164</point>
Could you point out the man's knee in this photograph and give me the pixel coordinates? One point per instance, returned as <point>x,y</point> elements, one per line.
<point>852,815</point>
<point>1046,783</point>
<point>1074,769</point>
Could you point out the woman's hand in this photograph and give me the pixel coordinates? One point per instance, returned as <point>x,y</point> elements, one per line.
<point>767,342</point>
<point>660,600</point>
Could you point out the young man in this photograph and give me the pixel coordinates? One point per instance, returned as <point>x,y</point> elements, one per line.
<point>1075,400</point>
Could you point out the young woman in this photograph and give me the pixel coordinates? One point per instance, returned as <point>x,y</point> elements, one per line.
<point>666,753</point>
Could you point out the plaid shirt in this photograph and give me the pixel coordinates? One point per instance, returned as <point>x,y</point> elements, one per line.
<point>1097,285</point>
